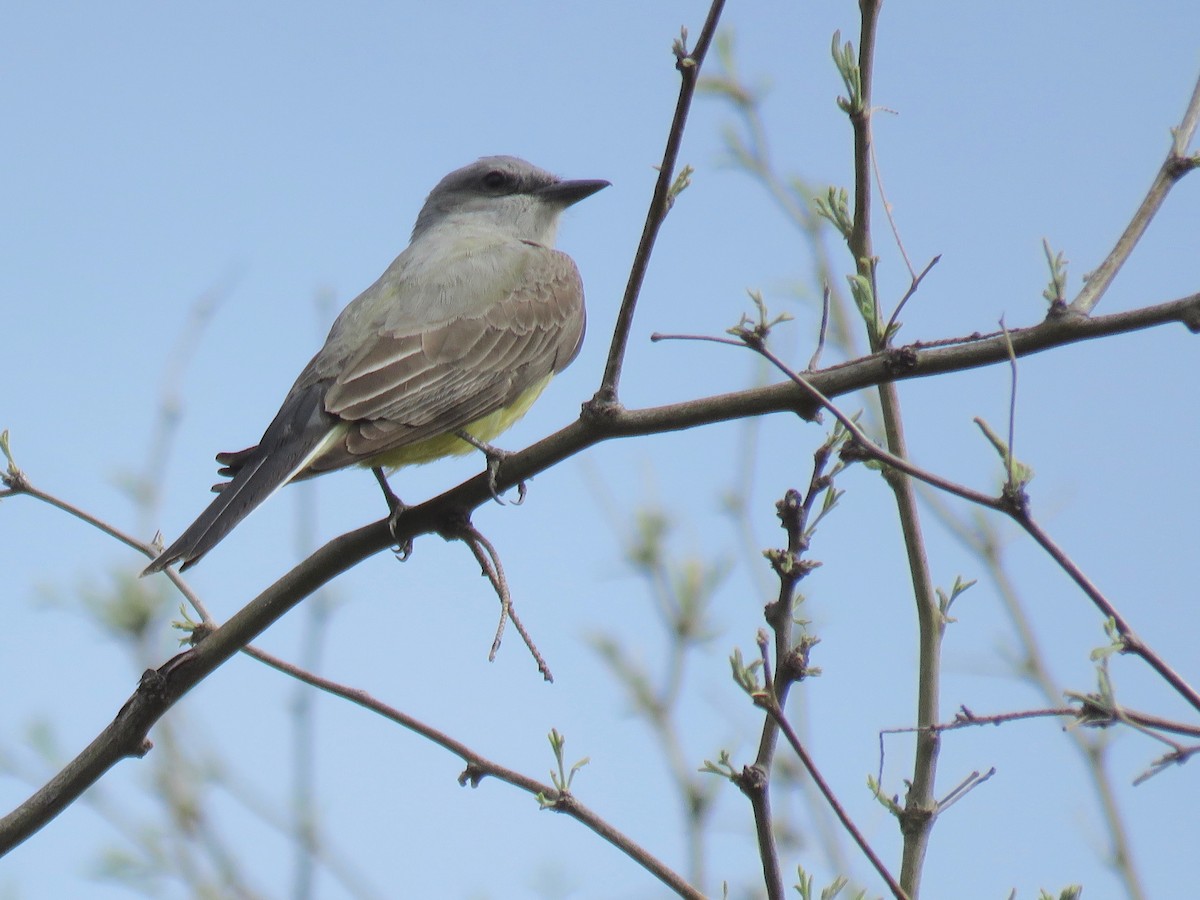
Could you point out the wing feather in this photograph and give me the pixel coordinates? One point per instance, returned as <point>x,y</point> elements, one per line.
<point>403,388</point>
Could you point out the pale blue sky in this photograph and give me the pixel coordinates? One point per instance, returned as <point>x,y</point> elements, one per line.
<point>154,152</point>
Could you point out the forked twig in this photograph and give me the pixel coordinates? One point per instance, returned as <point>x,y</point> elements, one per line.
<point>489,561</point>
<point>766,700</point>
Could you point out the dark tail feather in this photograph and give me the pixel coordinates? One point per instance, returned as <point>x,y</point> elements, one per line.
<point>291,441</point>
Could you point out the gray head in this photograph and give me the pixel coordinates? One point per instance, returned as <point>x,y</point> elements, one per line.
<point>502,192</point>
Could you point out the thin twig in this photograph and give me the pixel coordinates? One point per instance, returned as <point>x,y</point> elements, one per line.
<point>765,699</point>
<point>688,65</point>
<point>1131,643</point>
<point>815,359</point>
<point>908,294</point>
<point>1174,167</point>
<point>887,211</point>
<point>1088,715</point>
<point>965,787</point>
<point>755,782</point>
<point>1176,757</point>
<point>17,482</point>
<point>1011,451</point>
<point>479,767</point>
<point>489,561</point>
<point>868,446</point>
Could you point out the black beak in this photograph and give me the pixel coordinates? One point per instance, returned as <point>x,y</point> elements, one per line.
<point>566,193</point>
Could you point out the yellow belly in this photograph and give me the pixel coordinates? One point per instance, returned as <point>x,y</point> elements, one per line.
<point>485,429</point>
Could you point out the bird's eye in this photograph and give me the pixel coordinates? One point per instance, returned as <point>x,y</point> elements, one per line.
<point>495,179</point>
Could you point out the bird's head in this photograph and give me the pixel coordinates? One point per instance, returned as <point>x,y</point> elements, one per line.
<point>503,193</point>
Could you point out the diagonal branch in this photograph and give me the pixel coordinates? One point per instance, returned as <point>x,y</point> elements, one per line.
<point>660,203</point>
<point>1174,167</point>
<point>766,700</point>
<point>479,767</point>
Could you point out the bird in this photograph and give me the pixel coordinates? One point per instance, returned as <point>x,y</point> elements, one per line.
<point>447,349</point>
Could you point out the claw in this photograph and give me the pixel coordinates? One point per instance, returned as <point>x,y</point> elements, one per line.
<point>396,507</point>
<point>495,457</point>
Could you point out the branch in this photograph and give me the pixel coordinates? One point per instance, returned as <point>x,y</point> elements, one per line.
<point>1130,641</point>
<point>981,538</point>
<point>1088,714</point>
<point>488,558</point>
<point>791,658</point>
<point>688,65</point>
<point>920,808</point>
<point>1174,167</point>
<point>1012,502</point>
<point>766,699</point>
<point>479,767</point>
<point>163,687</point>
<point>17,483</point>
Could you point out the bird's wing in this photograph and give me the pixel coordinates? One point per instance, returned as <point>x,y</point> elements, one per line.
<point>403,387</point>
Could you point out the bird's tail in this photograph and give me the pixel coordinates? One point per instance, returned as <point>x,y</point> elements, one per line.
<point>300,433</point>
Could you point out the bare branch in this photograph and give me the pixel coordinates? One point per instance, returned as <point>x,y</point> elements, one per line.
<point>479,767</point>
<point>765,699</point>
<point>688,65</point>
<point>1174,167</point>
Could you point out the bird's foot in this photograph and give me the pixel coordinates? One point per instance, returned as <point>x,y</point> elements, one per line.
<point>495,457</point>
<point>396,508</point>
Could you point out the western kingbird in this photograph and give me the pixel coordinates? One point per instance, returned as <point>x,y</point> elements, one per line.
<point>460,334</point>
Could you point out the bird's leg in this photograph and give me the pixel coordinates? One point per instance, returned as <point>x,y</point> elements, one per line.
<point>396,506</point>
<point>495,456</point>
